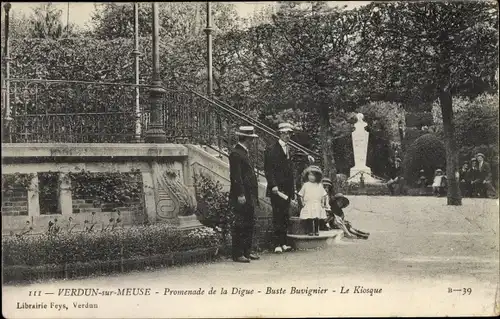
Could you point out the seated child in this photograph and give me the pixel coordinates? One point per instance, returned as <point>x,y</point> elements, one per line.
<point>336,217</point>
<point>314,198</point>
<point>439,182</point>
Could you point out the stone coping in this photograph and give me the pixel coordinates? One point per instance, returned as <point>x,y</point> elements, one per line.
<point>37,150</point>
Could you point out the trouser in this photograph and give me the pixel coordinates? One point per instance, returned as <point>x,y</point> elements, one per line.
<point>482,188</point>
<point>242,231</point>
<point>281,218</point>
<point>466,189</point>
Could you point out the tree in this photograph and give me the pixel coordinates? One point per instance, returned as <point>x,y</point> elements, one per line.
<point>45,22</point>
<point>307,58</point>
<point>438,47</point>
<point>178,21</point>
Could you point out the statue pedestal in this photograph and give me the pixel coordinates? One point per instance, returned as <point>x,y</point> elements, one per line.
<point>364,172</point>
<point>360,173</point>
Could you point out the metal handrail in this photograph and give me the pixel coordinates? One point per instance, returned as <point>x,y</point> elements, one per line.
<point>234,112</point>
<point>266,128</point>
<point>78,82</point>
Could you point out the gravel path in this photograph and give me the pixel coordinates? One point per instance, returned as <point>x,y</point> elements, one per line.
<point>418,249</point>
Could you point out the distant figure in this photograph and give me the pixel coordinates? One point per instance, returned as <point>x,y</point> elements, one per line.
<point>439,183</point>
<point>422,180</point>
<point>474,177</point>
<point>315,199</point>
<point>395,174</point>
<point>484,170</point>
<point>465,181</point>
<point>243,196</point>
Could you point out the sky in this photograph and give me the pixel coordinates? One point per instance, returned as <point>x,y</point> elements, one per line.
<point>80,12</point>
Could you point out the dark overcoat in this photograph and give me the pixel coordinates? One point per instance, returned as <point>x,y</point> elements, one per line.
<point>279,171</point>
<point>484,172</point>
<point>243,178</point>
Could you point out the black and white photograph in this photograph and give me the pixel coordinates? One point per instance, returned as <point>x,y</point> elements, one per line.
<point>266,159</point>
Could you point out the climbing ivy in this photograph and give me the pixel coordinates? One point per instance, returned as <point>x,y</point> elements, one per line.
<point>113,187</point>
<point>11,182</point>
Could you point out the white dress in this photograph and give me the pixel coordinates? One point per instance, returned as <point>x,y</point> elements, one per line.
<point>312,197</point>
<point>438,179</point>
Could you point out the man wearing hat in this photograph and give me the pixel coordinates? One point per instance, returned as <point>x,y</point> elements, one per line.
<point>243,196</point>
<point>395,175</point>
<point>484,176</point>
<point>280,179</point>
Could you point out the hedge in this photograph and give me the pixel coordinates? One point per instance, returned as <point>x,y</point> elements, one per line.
<point>133,242</point>
<point>427,153</point>
<point>23,273</point>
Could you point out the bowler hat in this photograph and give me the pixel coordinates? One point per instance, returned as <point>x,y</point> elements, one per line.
<point>473,159</point>
<point>285,127</point>
<point>480,154</point>
<point>343,198</point>
<point>248,131</point>
<point>439,170</point>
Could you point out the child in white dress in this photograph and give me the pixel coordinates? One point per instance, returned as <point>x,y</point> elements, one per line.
<point>314,198</point>
<point>439,182</point>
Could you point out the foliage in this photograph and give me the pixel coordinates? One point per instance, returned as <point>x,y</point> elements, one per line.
<point>117,188</point>
<point>178,21</point>
<point>48,189</point>
<point>427,153</point>
<point>385,117</point>
<point>46,22</point>
<point>476,119</point>
<point>64,248</point>
<point>419,119</point>
<point>213,204</point>
<point>442,48</point>
<point>11,182</point>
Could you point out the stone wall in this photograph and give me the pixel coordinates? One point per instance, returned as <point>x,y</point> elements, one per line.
<point>15,202</point>
<point>159,169</point>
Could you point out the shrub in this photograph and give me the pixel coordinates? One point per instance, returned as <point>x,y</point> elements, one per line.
<point>136,241</point>
<point>427,153</point>
<point>213,204</point>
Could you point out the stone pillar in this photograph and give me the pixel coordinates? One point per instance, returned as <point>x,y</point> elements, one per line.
<point>65,200</point>
<point>34,197</point>
<point>149,196</point>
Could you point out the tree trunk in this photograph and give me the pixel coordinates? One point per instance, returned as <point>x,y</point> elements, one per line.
<point>326,137</point>
<point>445,101</point>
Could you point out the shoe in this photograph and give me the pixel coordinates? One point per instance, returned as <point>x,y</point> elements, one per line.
<point>252,257</point>
<point>316,234</point>
<point>242,259</point>
<point>278,250</point>
<point>310,234</point>
<point>286,248</point>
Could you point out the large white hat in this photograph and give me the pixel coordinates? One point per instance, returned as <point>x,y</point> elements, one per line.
<point>285,127</point>
<point>247,131</point>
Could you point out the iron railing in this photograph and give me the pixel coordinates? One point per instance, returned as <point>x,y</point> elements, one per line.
<point>60,111</point>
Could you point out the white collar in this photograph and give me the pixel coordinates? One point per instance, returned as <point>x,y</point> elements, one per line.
<point>244,147</point>
<point>282,143</point>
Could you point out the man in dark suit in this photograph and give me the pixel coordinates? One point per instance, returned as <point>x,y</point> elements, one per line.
<point>484,176</point>
<point>280,181</point>
<point>243,196</point>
